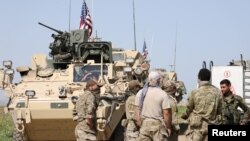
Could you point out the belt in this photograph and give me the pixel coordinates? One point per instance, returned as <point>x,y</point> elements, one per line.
<point>149,121</point>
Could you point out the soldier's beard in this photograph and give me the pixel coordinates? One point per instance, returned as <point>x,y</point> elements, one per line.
<point>227,93</point>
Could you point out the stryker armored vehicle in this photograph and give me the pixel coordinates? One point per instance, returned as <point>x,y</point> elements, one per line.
<point>42,103</point>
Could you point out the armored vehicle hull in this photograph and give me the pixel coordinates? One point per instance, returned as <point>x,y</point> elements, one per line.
<point>42,104</point>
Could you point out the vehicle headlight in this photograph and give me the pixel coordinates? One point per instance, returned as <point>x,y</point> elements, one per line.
<point>74,99</point>
<point>129,60</point>
<point>138,71</point>
<point>7,63</point>
<point>62,92</point>
<point>30,93</point>
<point>127,69</point>
<point>9,71</point>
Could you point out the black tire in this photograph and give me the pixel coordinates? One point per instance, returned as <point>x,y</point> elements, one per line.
<point>17,136</point>
<point>118,134</point>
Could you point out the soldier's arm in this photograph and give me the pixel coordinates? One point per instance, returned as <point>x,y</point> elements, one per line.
<point>190,106</point>
<point>245,108</point>
<point>219,109</point>
<point>219,116</point>
<point>167,113</point>
<point>167,116</point>
<point>137,116</point>
<point>137,109</point>
<point>91,109</point>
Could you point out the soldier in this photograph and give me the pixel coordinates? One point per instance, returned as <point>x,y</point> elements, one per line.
<point>86,112</point>
<point>203,108</point>
<point>153,112</point>
<point>170,88</point>
<point>132,131</point>
<point>230,105</point>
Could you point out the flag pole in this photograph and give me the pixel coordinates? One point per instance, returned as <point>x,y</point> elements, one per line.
<point>134,25</point>
<point>150,49</point>
<point>92,10</point>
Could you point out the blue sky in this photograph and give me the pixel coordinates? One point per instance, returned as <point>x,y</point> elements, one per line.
<point>217,30</point>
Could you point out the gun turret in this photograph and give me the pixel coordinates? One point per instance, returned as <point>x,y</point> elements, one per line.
<point>58,31</point>
<point>65,45</point>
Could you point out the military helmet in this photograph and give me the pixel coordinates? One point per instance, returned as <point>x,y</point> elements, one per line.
<point>169,86</point>
<point>92,82</point>
<point>133,83</point>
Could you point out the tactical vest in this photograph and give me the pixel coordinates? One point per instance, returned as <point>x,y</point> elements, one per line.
<point>130,107</point>
<point>231,114</point>
<point>82,106</point>
<point>173,104</point>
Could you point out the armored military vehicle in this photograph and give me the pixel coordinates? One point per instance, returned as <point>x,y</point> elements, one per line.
<point>172,76</point>
<point>125,63</point>
<point>42,103</point>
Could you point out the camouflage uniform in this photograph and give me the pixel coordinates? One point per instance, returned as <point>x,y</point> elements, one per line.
<point>132,131</point>
<point>230,112</point>
<point>85,108</point>
<point>175,123</point>
<point>204,108</point>
<point>170,88</point>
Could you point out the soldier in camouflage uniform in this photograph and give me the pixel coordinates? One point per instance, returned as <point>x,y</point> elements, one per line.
<point>170,88</point>
<point>132,131</point>
<point>231,103</point>
<point>203,108</point>
<point>86,112</point>
<point>153,111</point>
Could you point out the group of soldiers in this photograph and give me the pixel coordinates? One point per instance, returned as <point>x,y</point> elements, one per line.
<point>151,109</point>
<point>209,105</point>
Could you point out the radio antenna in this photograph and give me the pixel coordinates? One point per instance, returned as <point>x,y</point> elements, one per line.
<point>69,13</point>
<point>175,46</point>
<point>134,25</point>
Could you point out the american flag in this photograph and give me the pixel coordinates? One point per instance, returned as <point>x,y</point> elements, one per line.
<point>144,50</point>
<point>85,21</point>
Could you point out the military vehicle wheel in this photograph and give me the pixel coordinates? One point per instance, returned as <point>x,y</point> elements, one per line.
<point>17,136</point>
<point>118,134</point>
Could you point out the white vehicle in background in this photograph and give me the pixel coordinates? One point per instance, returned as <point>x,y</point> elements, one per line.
<point>238,72</point>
